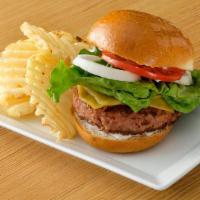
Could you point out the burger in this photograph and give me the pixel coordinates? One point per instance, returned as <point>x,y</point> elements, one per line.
<point>132,84</point>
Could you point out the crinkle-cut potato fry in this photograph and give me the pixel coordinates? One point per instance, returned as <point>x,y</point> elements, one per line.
<point>58,116</point>
<point>14,94</point>
<point>20,109</point>
<point>61,44</point>
<point>17,107</point>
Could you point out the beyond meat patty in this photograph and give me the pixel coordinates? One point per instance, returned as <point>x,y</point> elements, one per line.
<point>122,119</point>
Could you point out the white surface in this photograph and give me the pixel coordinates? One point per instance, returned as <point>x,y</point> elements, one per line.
<point>157,168</point>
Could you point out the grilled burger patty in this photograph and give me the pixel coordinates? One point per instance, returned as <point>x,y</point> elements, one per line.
<point>121,119</point>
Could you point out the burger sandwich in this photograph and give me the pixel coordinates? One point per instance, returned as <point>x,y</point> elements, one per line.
<point>133,83</point>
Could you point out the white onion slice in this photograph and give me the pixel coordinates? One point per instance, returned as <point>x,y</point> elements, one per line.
<point>186,79</point>
<point>87,62</point>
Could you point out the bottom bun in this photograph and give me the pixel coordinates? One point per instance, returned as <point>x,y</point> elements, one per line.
<point>117,145</point>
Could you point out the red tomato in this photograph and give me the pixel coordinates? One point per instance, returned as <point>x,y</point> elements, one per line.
<point>155,73</point>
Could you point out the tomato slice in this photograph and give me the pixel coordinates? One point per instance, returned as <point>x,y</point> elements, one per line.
<point>155,73</point>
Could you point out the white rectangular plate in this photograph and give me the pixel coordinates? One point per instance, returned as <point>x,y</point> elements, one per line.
<point>157,168</point>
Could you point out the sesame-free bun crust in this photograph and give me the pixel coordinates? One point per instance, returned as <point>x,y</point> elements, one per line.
<point>133,144</point>
<point>142,38</point>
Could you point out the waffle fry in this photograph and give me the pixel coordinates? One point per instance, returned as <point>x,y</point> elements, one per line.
<point>62,44</point>
<point>58,116</point>
<point>14,95</point>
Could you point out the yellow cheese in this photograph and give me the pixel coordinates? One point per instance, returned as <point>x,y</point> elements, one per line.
<point>159,102</point>
<point>97,100</point>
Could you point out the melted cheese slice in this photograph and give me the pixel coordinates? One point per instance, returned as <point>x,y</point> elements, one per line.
<point>159,103</point>
<point>97,100</point>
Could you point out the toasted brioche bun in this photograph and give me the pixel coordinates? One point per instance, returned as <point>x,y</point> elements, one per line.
<point>142,38</point>
<point>133,144</point>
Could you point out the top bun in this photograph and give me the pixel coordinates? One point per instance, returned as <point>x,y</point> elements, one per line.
<point>142,38</point>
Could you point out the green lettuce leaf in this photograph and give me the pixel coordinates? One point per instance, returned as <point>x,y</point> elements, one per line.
<point>96,52</point>
<point>182,98</point>
<point>136,95</point>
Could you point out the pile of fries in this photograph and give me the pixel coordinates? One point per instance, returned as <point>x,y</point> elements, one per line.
<point>25,70</point>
